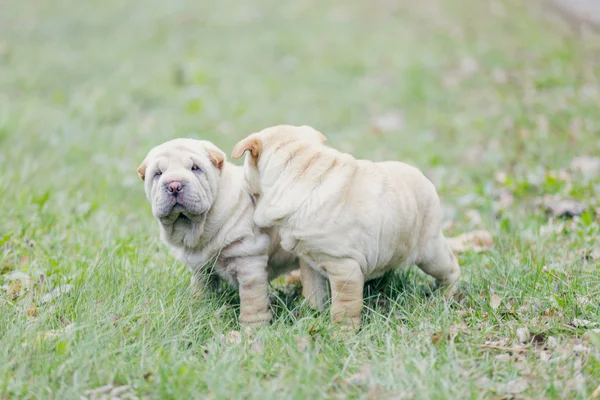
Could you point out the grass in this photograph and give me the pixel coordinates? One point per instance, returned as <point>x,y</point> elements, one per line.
<point>493,99</point>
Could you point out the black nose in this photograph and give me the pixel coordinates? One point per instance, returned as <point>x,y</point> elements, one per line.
<point>174,187</point>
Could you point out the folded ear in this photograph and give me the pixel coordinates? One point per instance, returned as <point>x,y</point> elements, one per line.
<point>321,136</point>
<point>142,170</point>
<point>251,143</point>
<point>216,155</point>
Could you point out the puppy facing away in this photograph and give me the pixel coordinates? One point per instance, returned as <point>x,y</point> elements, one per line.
<point>348,220</point>
<point>205,214</point>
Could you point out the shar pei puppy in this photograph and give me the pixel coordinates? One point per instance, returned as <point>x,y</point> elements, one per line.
<point>206,216</point>
<point>348,220</point>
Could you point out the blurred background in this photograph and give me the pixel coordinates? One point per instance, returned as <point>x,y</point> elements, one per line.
<point>492,99</point>
<point>497,101</point>
<point>471,86</point>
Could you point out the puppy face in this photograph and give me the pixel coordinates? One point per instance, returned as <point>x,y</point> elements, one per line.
<point>180,179</point>
<point>260,147</point>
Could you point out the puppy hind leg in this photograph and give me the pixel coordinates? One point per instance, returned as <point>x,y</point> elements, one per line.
<point>346,281</point>
<point>440,262</point>
<point>314,287</point>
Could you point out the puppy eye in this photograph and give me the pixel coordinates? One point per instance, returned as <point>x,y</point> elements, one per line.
<point>157,174</point>
<point>195,168</point>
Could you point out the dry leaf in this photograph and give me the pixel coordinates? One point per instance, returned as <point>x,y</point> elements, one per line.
<point>596,393</point>
<point>505,200</point>
<point>551,342</point>
<point>514,387</point>
<point>589,167</point>
<point>16,289</point>
<point>58,332</point>
<point>437,337</point>
<point>568,208</point>
<point>477,241</point>
<point>495,301</point>
<point>256,347</point>
<point>111,392</point>
<point>579,13</point>
<point>233,337</point>
<point>474,217</point>
<point>19,284</point>
<point>302,344</point>
<point>545,356</point>
<point>392,121</point>
<point>376,392</point>
<point>32,310</point>
<point>523,335</point>
<point>580,349</point>
<point>582,323</point>
<point>362,377</point>
<point>56,292</point>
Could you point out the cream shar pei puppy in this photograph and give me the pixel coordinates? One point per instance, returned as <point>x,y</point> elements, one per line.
<point>348,220</point>
<point>205,214</point>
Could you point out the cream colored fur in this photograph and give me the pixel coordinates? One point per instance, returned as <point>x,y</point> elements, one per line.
<point>349,220</point>
<point>209,225</point>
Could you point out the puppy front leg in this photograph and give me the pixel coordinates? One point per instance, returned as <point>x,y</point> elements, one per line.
<point>314,287</point>
<point>346,280</point>
<point>254,292</point>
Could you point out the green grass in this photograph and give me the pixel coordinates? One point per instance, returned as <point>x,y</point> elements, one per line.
<point>87,88</point>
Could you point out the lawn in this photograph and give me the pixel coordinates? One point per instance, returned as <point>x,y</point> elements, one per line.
<point>493,101</point>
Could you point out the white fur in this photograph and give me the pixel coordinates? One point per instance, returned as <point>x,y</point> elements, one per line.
<point>211,229</point>
<point>350,220</point>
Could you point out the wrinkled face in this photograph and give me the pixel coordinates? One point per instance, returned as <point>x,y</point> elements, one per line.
<point>263,145</point>
<point>181,178</point>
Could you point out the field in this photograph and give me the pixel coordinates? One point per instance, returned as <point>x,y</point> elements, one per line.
<point>495,102</point>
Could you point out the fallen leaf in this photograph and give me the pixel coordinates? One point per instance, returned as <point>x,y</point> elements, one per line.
<point>391,121</point>
<point>468,66</point>
<point>437,338</point>
<point>112,392</point>
<point>580,349</point>
<point>55,293</point>
<point>302,344</point>
<point>19,283</point>
<point>545,356</point>
<point>477,241</point>
<point>256,347</point>
<point>523,335</point>
<point>474,217</point>
<point>595,393</point>
<point>499,76</point>
<point>582,323</point>
<point>32,310</point>
<point>362,377</point>
<point>514,387</point>
<point>567,208</point>
<point>594,337</point>
<point>58,332</point>
<point>16,289</point>
<point>503,357</point>
<point>589,167</point>
<point>495,301</point>
<point>505,200</point>
<point>375,393</point>
<point>233,337</point>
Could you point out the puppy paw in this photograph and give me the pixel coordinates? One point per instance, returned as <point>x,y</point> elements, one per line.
<point>255,320</point>
<point>348,325</point>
